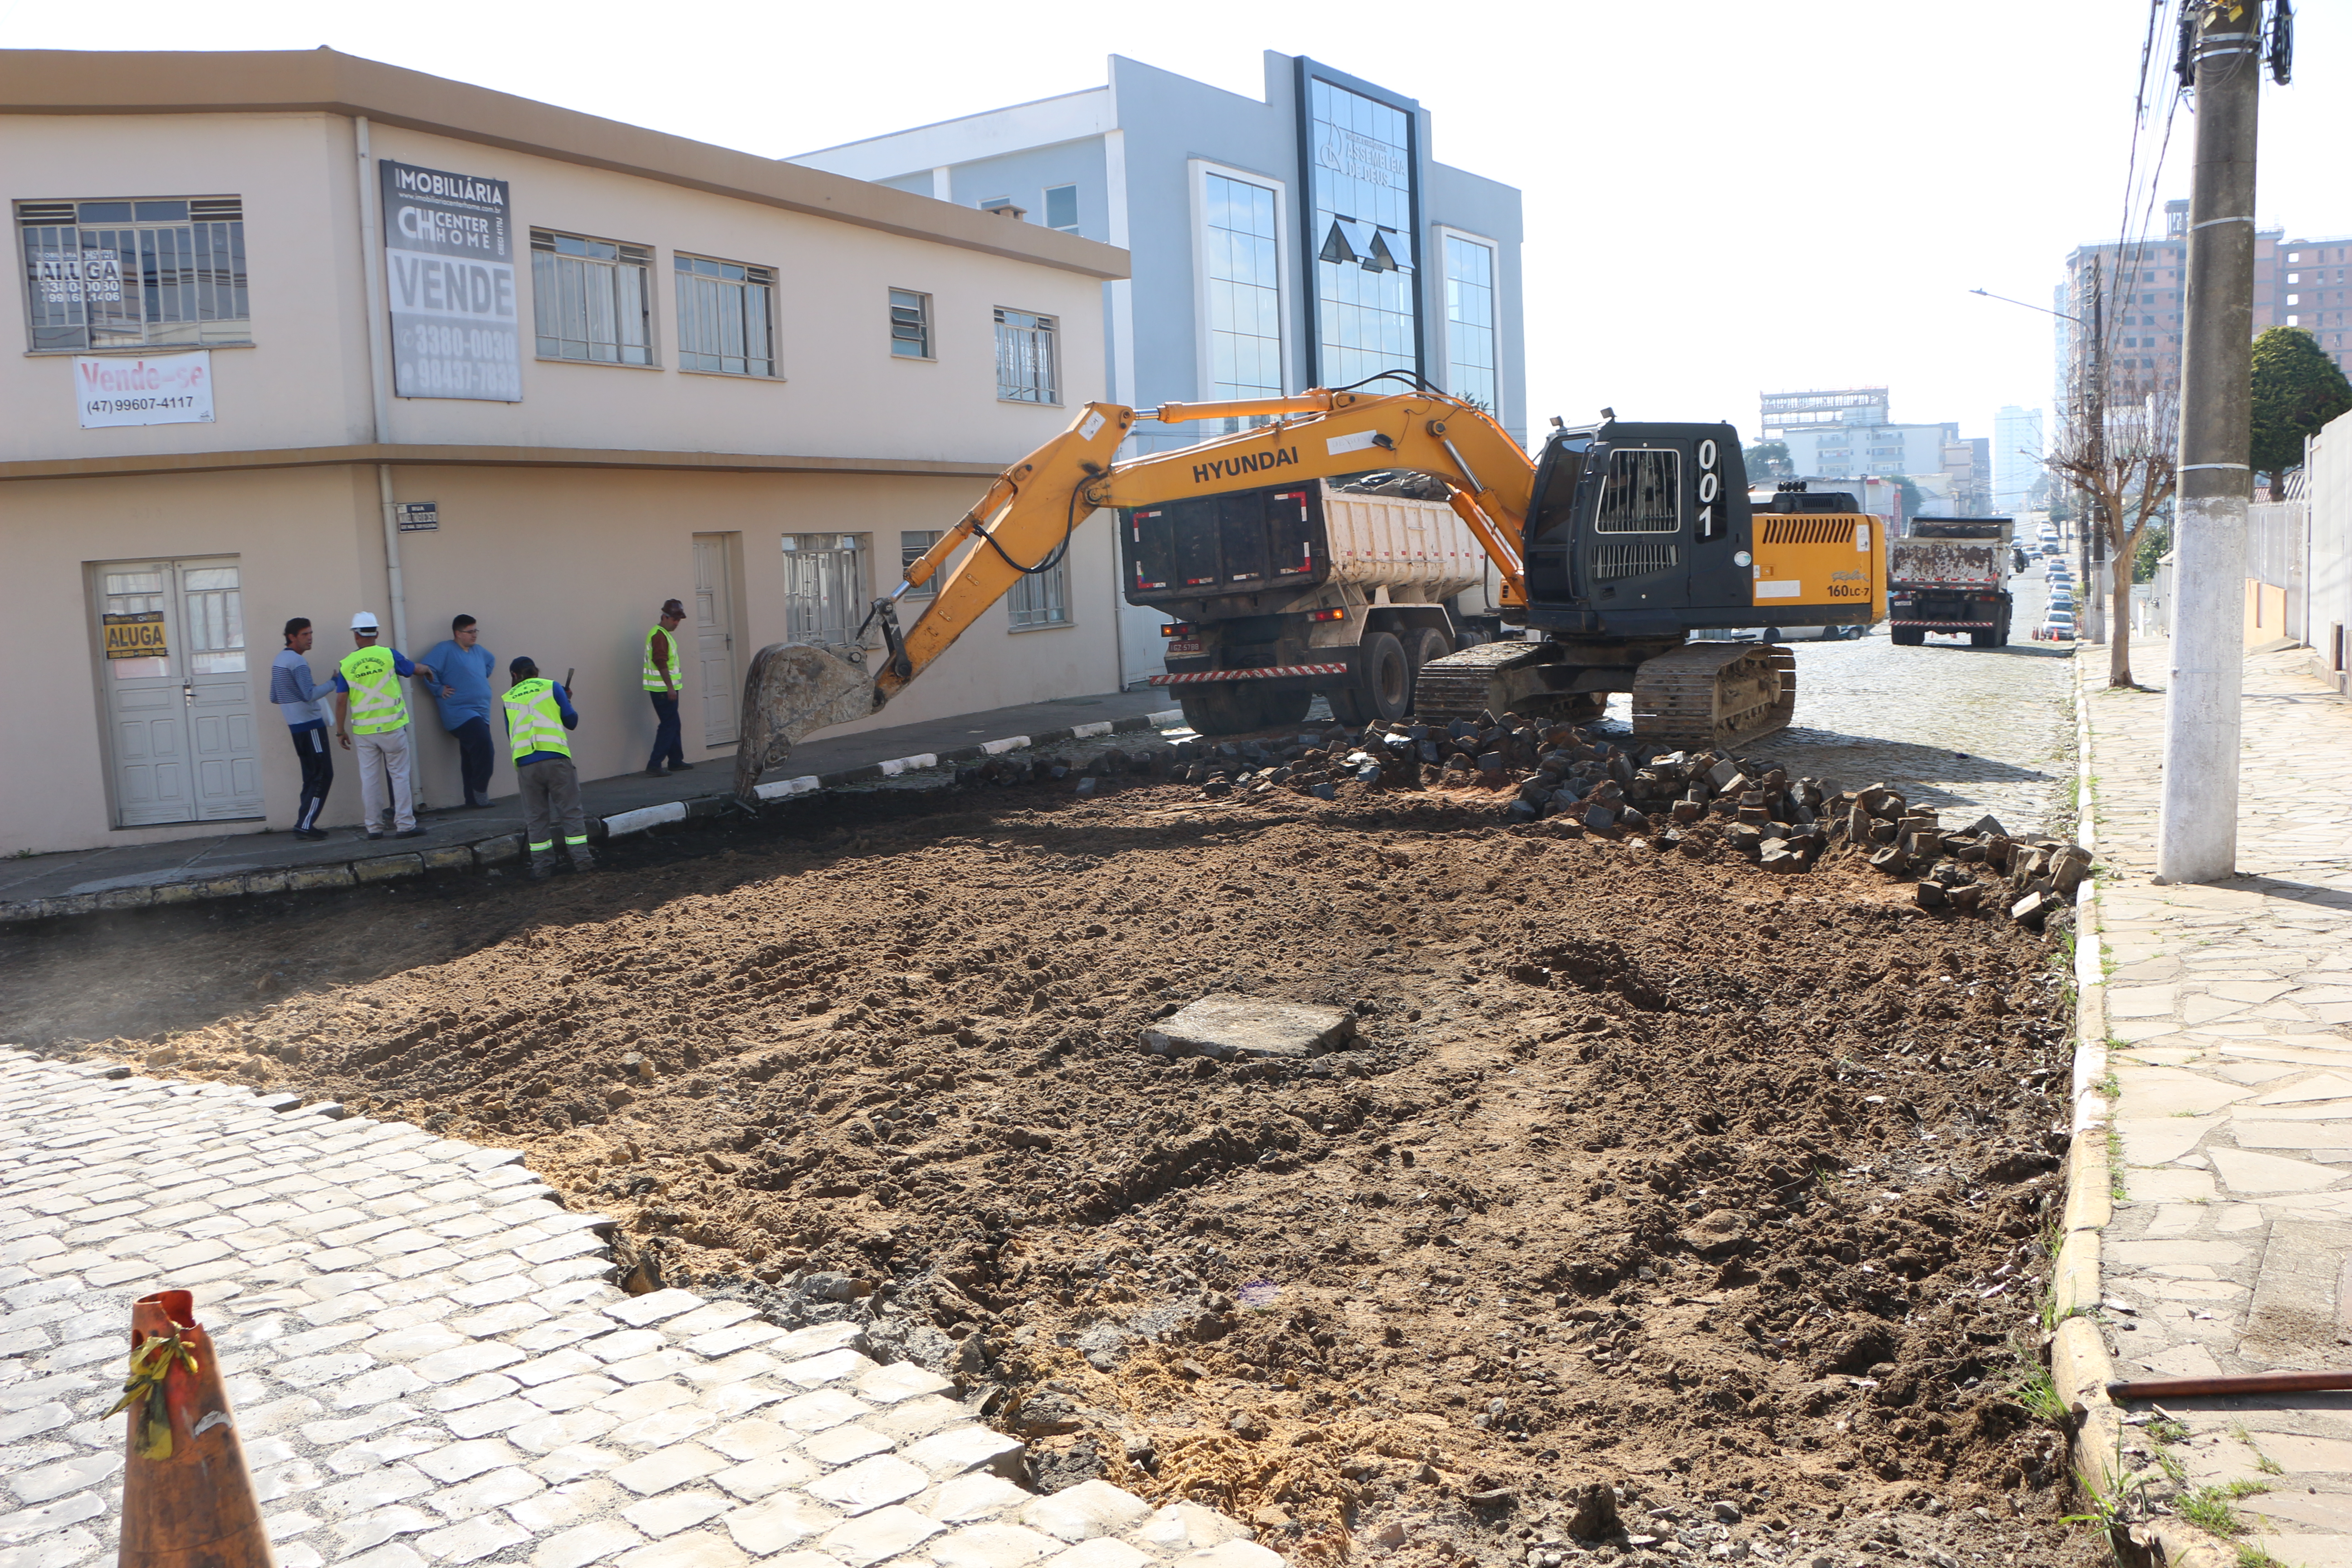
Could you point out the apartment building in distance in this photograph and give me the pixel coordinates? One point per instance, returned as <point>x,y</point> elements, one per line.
<point>2141,291</point>
<point>298,333</point>
<point>1307,237</point>
<point>2017,446</point>
<point>1845,433</point>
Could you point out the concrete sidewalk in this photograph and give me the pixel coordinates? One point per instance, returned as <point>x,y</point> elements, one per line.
<point>2229,1029</point>
<point>213,865</point>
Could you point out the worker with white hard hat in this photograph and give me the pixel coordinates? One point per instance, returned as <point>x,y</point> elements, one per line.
<point>372,719</point>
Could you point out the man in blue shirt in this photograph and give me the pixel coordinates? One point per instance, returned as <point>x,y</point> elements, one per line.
<point>462,691</point>
<point>303,702</point>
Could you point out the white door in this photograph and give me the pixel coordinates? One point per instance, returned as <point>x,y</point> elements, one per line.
<point>179,700</point>
<point>714,640</point>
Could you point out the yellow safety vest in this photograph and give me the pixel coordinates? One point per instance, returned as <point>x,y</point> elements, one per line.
<point>377,704</point>
<point>653,682</point>
<point>534,723</point>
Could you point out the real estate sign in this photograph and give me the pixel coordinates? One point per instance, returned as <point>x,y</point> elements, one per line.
<point>168,389</point>
<point>450,269</point>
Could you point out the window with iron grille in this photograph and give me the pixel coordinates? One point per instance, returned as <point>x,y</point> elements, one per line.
<point>1040,598</point>
<point>911,324</point>
<point>165,272</point>
<point>824,587</point>
<point>592,299</point>
<point>726,317</point>
<point>912,543</point>
<point>1024,357</point>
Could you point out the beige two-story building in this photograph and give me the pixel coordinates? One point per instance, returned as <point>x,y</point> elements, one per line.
<point>303,334</point>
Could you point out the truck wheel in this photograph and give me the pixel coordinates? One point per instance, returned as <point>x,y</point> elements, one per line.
<point>1279,708</point>
<point>1907,636</point>
<point>1384,679</point>
<point>1424,645</point>
<point>1218,710</point>
<point>1983,639</point>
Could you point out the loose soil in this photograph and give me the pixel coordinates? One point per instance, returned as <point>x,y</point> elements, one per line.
<point>1654,1173</point>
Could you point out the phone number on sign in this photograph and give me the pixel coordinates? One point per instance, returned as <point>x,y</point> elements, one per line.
<point>135,404</point>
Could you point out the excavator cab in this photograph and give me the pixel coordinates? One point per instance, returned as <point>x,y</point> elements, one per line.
<point>1639,529</point>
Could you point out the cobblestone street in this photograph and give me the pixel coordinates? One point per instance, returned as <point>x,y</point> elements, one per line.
<point>1966,730</point>
<point>428,1367</point>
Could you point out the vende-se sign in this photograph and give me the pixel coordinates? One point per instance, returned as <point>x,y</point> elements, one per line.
<point>170,389</point>
<point>448,252</point>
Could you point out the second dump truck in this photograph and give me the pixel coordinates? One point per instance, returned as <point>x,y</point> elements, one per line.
<point>1950,575</point>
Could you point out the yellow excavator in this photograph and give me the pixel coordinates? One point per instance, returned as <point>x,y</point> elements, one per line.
<point>1609,548</point>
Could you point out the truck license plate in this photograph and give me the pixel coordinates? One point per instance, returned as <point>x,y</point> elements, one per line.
<point>1184,645</point>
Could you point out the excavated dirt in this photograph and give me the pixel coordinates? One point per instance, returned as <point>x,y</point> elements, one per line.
<point>1655,1185</point>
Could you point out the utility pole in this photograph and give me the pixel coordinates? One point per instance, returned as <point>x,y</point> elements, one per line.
<point>2090,506</point>
<point>2197,825</point>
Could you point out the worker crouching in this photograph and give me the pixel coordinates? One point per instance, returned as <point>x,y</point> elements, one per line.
<point>539,713</point>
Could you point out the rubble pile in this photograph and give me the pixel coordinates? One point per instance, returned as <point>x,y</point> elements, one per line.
<point>1579,784</point>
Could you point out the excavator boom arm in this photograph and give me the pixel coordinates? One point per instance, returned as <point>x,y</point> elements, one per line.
<point>1027,516</point>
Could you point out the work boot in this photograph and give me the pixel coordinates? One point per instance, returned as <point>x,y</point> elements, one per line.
<point>583,859</point>
<point>543,867</point>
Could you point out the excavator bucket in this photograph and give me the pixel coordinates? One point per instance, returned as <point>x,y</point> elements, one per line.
<point>793,688</point>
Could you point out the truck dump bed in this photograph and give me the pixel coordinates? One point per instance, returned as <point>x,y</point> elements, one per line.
<point>1947,564</point>
<point>1294,537</point>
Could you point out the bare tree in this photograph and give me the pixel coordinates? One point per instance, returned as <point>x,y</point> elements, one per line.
<point>2120,457</point>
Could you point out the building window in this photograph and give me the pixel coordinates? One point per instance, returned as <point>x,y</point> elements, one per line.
<point>726,317</point>
<point>166,273</point>
<point>592,299</point>
<point>1042,598</point>
<point>824,587</point>
<point>1062,208</point>
<point>911,324</point>
<point>1024,357</point>
<point>1242,280</point>
<point>1360,161</point>
<point>912,543</point>
<point>1470,320</point>
<point>1641,493</point>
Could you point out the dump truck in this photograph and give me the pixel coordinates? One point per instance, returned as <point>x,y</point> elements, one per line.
<point>1611,548</point>
<point>1950,575</point>
<point>1345,587</point>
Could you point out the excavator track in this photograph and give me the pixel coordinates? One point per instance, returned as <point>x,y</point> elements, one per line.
<point>1461,685</point>
<point>1715,694</point>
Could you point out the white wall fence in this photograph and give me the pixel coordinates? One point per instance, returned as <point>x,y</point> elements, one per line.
<point>2326,582</point>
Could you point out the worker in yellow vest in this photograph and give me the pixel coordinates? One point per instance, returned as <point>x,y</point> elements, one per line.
<point>538,712</point>
<point>663,668</point>
<point>372,719</point>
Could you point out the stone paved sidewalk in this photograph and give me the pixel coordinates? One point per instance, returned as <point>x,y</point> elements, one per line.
<point>429,1366</point>
<point>2230,1015</point>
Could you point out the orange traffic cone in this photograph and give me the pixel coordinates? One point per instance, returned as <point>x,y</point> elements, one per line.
<point>187,1501</point>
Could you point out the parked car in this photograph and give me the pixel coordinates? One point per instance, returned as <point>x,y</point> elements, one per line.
<point>2057,627</point>
<point>1774,634</point>
<point>2052,547</point>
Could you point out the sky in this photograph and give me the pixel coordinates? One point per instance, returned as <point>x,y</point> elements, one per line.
<point>1722,197</point>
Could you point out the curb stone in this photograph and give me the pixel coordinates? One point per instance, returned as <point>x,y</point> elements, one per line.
<point>2079,1364</point>
<point>499,849</point>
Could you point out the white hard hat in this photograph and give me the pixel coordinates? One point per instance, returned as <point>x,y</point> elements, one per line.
<point>364,621</point>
